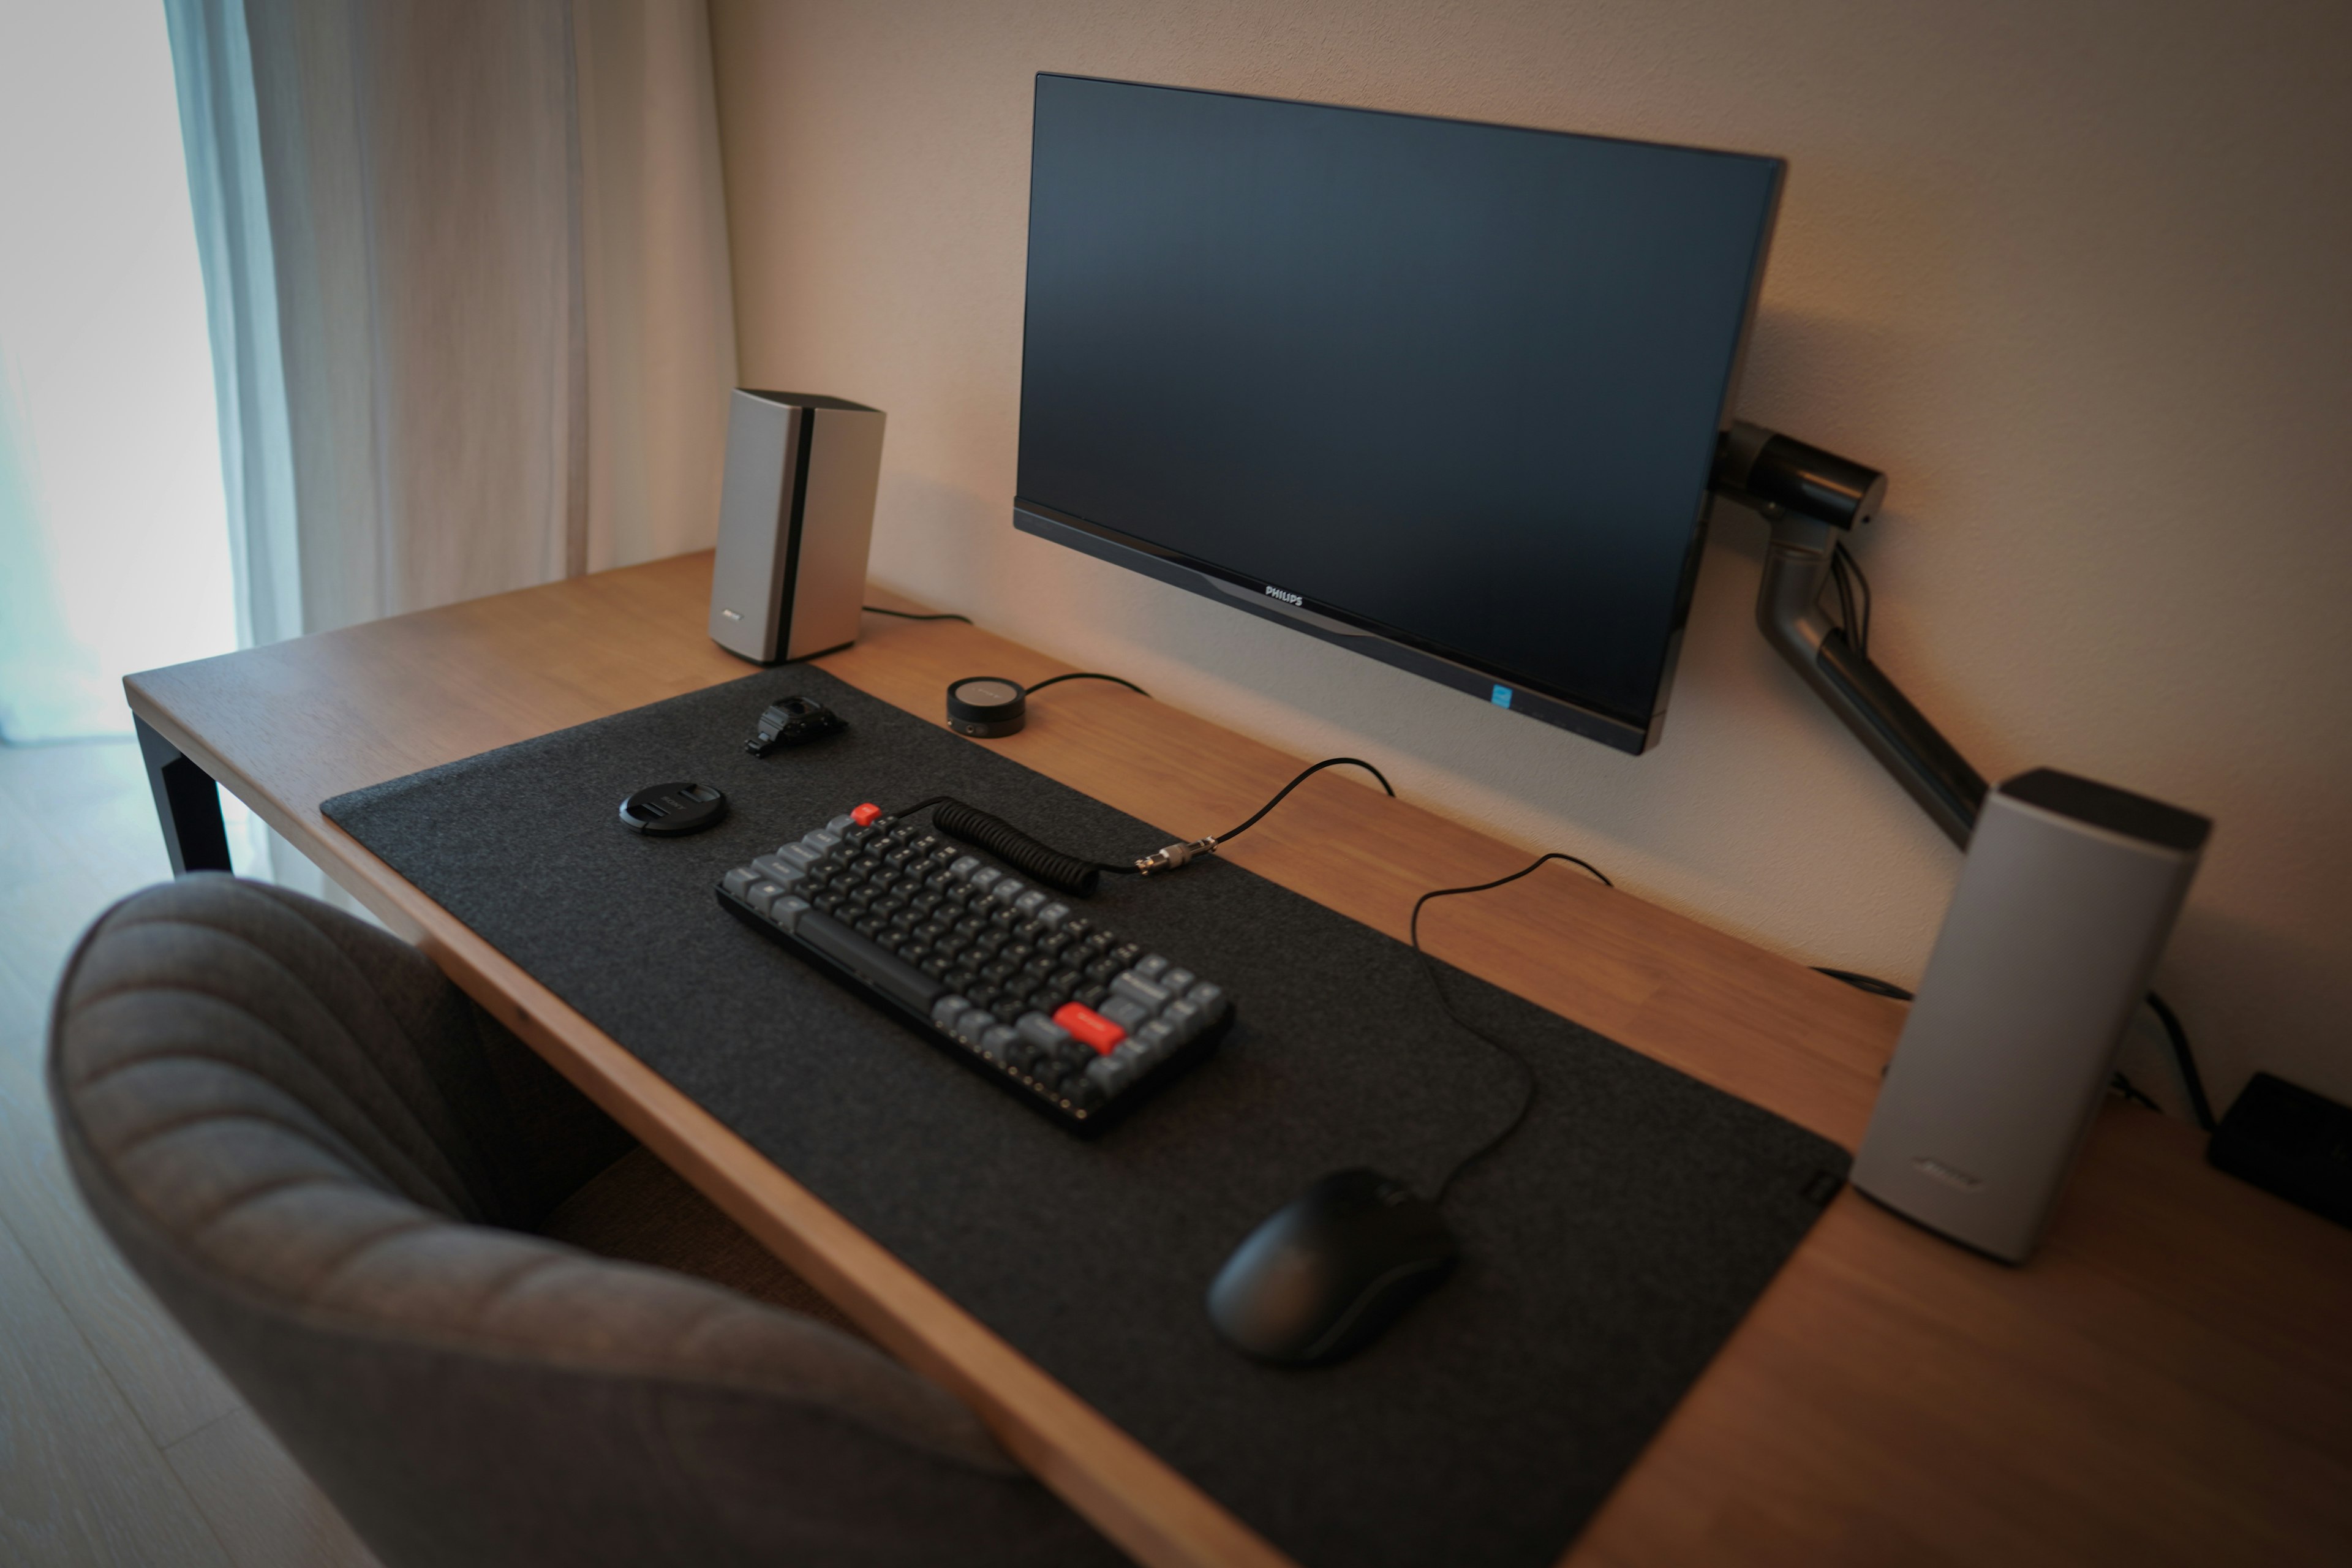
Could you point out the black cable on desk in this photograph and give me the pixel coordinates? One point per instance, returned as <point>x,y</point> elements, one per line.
<point>1527,1068</point>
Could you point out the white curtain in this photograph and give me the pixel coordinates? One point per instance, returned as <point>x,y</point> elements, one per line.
<point>467,281</point>
<point>467,271</point>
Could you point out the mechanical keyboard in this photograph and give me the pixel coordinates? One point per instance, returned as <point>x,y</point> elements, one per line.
<point>1007,977</point>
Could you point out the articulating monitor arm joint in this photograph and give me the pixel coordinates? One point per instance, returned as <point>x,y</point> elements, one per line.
<point>1810,497</point>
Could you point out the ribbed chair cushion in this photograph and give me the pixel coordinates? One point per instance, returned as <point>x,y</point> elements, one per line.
<point>326,1160</point>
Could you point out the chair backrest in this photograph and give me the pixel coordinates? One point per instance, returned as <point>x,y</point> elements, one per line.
<point>312,1146</point>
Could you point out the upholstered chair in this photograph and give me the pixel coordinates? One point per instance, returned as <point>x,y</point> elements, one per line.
<point>373,1208</point>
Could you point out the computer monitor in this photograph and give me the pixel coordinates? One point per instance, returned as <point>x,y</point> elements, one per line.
<point>1447,394</point>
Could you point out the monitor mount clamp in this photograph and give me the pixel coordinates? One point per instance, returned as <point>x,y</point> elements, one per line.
<point>1811,499</point>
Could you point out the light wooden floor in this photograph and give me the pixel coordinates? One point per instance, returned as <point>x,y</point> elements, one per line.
<point>119,1444</point>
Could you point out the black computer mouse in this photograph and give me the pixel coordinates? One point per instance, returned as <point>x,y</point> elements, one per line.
<point>1328,1270</point>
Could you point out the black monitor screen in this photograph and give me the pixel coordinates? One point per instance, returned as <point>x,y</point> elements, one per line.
<point>1456,384</point>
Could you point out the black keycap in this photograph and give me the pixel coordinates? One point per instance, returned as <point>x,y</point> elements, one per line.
<point>1053,942</point>
<point>1093,995</point>
<point>997,973</point>
<point>1127,953</point>
<point>1102,969</point>
<point>1016,952</point>
<point>826,901</point>
<point>961,979</point>
<point>865,926</point>
<point>1078,928</point>
<point>932,964</point>
<point>971,926</point>
<point>1006,1009</point>
<point>1029,929</point>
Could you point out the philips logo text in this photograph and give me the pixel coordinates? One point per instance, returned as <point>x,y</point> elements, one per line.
<point>1273,593</point>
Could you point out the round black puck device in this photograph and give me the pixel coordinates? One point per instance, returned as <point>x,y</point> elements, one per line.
<point>987,706</point>
<point>670,810</point>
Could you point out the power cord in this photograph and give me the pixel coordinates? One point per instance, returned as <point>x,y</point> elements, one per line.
<point>2120,1084</point>
<point>1083,675</point>
<point>1517,1058</point>
<point>911,616</point>
<point>1854,597</point>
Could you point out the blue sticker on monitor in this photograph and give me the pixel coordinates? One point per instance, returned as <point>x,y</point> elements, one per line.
<point>1502,697</point>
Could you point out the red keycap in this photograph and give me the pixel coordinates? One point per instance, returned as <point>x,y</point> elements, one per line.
<point>1089,1027</point>
<point>864,815</point>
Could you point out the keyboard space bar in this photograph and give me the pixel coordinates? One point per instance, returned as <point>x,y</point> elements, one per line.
<point>885,971</point>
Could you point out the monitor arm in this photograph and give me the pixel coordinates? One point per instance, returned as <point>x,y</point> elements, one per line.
<point>1810,497</point>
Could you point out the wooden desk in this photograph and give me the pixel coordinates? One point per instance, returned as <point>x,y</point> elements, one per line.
<point>2170,1380</point>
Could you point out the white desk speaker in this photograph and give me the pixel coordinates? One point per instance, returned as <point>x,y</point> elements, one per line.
<point>795,521</point>
<point>2068,893</point>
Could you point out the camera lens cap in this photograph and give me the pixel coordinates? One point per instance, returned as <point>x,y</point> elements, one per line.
<point>987,706</point>
<point>672,810</point>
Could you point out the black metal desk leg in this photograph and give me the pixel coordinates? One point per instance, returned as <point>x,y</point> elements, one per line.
<point>187,804</point>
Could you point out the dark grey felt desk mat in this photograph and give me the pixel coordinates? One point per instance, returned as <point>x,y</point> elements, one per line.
<point>1608,1250</point>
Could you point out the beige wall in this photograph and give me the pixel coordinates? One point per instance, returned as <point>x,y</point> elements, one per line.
<point>2074,274</point>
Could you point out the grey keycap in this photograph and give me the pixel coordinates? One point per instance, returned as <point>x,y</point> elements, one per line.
<point>1157,1035</point>
<point>1008,890</point>
<point>1208,999</point>
<point>1052,916</point>
<point>1132,985</point>
<point>762,893</point>
<point>778,870</point>
<point>1182,1017</point>
<point>824,841</point>
<point>739,881</point>
<point>944,1010</point>
<point>1153,967</point>
<point>800,855</point>
<point>1133,1055</point>
<point>1042,1032</point>
<point>971,1023</point>
<point>1125,1011</point>
<point>985,878</point>
<point>964,867</point>
<point>993,1043</point>
<point>1178,981</point>
<point>787,912</point>
<point>1030,903</point>
<point>1111,1074</point>
<point>841,824</point>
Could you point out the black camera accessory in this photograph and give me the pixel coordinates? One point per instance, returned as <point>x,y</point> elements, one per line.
<point>673,810</point>
<point>793,721</point>
<point>987,706</point>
